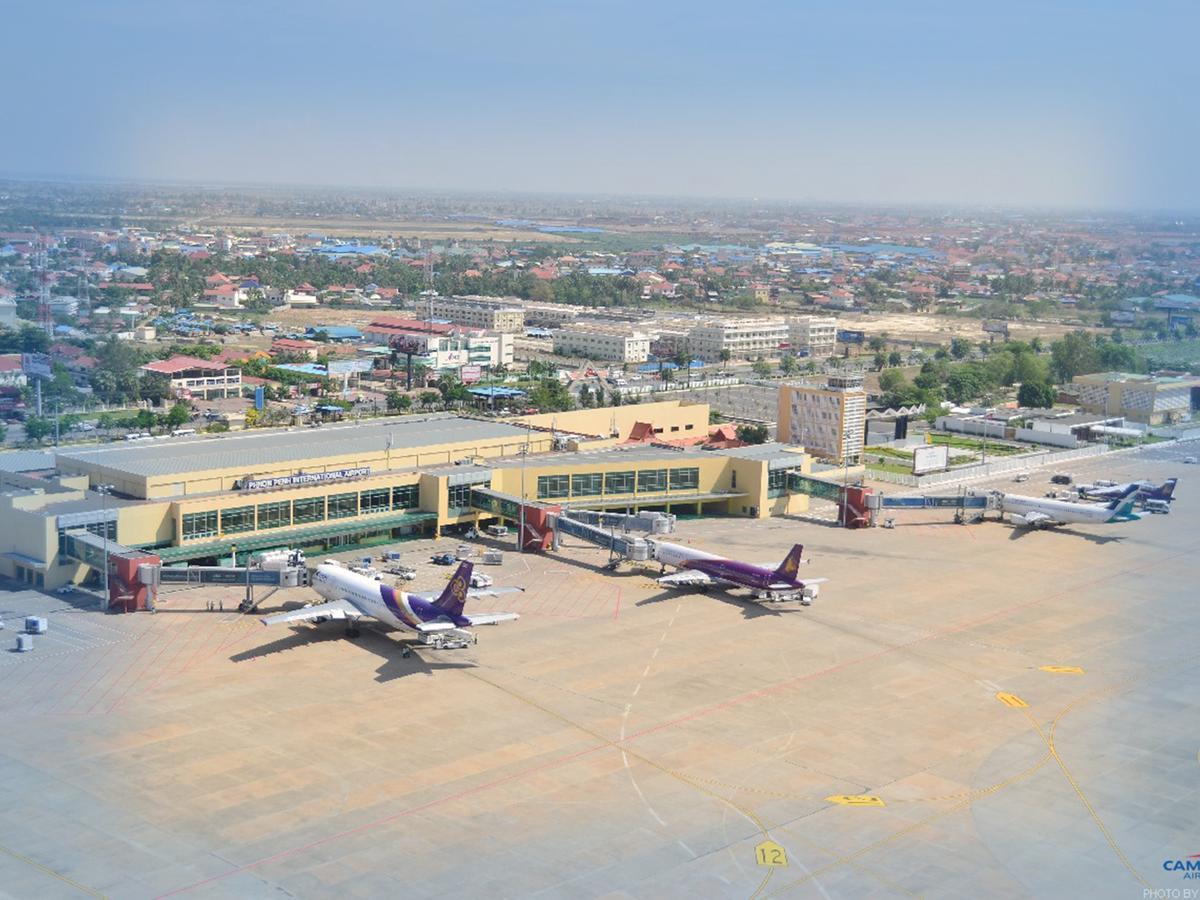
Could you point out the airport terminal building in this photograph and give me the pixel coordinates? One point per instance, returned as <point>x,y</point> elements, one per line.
<point>196,499</point>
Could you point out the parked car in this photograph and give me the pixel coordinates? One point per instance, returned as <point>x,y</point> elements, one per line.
<point>443,559</point>
<point>65,589</point>
<point>1061,478</point>
<point>1190,460</point>
<point>1024,476</point>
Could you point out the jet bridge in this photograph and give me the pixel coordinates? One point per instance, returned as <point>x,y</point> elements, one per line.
<point>621,546</point>
<point>969,500</point>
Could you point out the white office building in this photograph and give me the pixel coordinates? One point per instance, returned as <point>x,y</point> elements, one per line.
<point>608,342</point>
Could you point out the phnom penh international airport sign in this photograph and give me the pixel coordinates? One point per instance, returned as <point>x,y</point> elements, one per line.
<point>302,478</point>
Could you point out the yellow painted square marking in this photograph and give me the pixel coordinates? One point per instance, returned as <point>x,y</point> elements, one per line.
<point>770,854</point>
<point>1063,670</point>
<point>855,800</point>
<point>1011,700</point>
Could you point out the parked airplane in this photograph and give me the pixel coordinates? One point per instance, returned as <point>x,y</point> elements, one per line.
<point>439,622</point>
<point>1145,490</point>
<point>702,570</point>
<point>1036,512</point>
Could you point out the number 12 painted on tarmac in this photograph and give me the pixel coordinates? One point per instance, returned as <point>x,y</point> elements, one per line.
<point>769,853</point>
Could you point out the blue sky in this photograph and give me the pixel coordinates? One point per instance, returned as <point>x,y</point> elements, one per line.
<point>1081,104</point>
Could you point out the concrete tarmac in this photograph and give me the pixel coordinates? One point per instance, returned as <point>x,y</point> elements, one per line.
<point>964,711</point>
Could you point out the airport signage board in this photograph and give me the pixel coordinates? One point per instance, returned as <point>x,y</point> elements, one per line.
<point>301,479</point>
<point>930,458</point>
<point>470,374</point>
<point>36,364</point>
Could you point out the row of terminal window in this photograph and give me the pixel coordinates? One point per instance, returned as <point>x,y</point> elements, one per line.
<point>284,513</point>
<point>551,487</point>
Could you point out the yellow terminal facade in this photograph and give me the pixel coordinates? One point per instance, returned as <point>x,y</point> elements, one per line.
<point>193,499</point>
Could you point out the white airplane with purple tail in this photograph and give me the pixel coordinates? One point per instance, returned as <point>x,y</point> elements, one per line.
<point>439,621</point>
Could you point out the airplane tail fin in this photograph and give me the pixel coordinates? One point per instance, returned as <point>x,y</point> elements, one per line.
<point>1120,501</point>
<point>790,566</point>
<point>1167,489</point>
<point>1124,512</point>
<point>454,597</point>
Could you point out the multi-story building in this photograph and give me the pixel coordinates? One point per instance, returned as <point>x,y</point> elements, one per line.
<point>827,420</point>
<point>813,336</point>
<point>441,346</point>
<point>489,313</point>
<point>1141,398</point>
<point>191,377</point>
<point>742,338</point>
<point>192,499</point>
<point>602,342</point>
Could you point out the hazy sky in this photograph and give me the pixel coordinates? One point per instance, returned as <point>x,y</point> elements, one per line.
<point>1028,103</point>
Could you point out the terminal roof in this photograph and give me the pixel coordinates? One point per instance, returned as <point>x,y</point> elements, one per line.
<point>253,450</point>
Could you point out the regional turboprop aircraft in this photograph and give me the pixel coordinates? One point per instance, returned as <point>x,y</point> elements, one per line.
<point>438,621</point>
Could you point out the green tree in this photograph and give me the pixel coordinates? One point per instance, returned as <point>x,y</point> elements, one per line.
<point>1074,354</point>
<point>891,380</point>
<point>1036,395</point>
<point>960,348</point>
<point>963,385</point>
<point>752,434</point>
<point>787,364</point>
<point>429,398</point>
<point>38,429</point>
<point>725,356</point>
<point>895,359</point>
<point>761,368</point>
<point>178,415</point>
<point>146,419</point>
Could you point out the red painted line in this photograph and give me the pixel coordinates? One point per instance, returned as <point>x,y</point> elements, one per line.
<point>156,679</point>
<point>137,659</point>
<point>617,608</point>
<point>386,820</point>
<point>134,681</point>
<point>131,650</point>
<point>727,704</point>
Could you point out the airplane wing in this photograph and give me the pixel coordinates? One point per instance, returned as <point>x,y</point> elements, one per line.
<point>474,593</point>
<point>492,618</point>
<point>334,609</point>
<point>784,586</point>
<point>1036,520</point>
<point>437,625</point>
<point>686,578</point>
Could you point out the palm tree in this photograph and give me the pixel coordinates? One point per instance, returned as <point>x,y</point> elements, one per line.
<point>726,356</point>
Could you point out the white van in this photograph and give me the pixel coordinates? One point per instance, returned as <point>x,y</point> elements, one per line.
<point>183,432</point>
<point>139,436</point>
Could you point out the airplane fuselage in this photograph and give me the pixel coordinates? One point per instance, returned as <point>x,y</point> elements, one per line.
<point>719,568</point>
<point>375,599</point>
<point>1058,511</point>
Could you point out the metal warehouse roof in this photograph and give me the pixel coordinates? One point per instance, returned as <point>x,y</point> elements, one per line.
<point>257,450</point>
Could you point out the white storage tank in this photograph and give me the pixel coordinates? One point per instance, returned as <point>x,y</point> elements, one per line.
<point>24,643</point>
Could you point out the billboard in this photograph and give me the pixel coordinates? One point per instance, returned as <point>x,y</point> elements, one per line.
<point>851,337</point>
<point>930,458</point>
<point>260,397</point>
<point>470,374</point>
<point>36,364</point>
<point>996,326</point>
<point>349,366</point>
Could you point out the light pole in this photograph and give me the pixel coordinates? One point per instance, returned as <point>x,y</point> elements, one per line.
<point>103,490</point>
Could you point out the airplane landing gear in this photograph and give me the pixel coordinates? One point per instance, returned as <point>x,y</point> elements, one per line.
<point>352,629</point>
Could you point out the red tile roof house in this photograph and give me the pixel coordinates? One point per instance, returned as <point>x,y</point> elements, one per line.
<point>10,370</point>
<point>192,377</point>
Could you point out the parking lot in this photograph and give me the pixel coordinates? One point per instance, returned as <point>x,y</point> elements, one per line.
<point>965,711</point>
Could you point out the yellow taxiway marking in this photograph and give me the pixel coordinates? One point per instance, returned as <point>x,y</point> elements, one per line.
<point>1063,670</point>
<point>770,854</point>
<point>1011,700</point>
<point>855,800</point>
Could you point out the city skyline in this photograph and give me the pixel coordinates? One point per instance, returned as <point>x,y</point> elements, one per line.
<point>1069,107</point>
